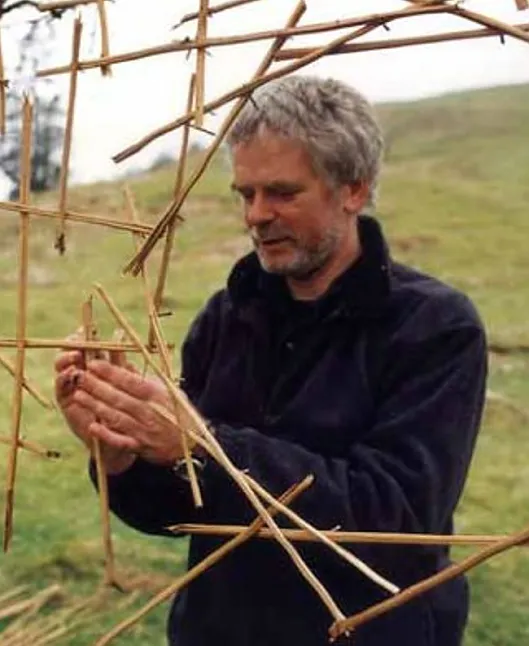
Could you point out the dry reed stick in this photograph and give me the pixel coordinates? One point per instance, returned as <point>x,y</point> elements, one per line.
<point>349,624</point>
<point>487,21</point>
<point>287,498</point>
<point>33,448</point>
<point>213,10</point>
<point>171,229</point>
<point>99,220</point>
<point>32,390</point>
<point>298,52</point>
<point>110,578</point>
<point>106,70</point>
<point>66,344</point>
<point>165,359</point>
<point>314,28</point>
<point>207,441</point>
<point>23,264</point>
<point>347,556</point>
<point>202,34</point>
<point>172,211</point>
<point>376,538</point>
<point>2,92</point>
<point>63,4</point>
<point>60,240</point>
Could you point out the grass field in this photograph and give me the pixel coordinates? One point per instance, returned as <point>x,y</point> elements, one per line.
<point>453,202</point>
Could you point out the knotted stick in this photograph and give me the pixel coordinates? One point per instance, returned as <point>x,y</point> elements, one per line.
<point>23,263</point>
<point>60,241</point>
<point>349,624</point>
<point>110,572</point>
<point>214,557</point>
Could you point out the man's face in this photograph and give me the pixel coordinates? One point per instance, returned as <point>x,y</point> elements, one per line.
<point>297,222</point>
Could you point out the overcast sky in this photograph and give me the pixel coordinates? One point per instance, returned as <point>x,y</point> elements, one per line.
<point>114,112</point>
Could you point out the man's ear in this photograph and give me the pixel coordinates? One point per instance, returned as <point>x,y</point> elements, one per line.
<point>355,197</point>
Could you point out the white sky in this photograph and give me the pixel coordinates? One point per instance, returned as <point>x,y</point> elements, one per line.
<point>112,113</point>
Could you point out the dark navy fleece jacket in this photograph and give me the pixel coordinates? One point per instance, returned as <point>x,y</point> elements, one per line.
<point>377,390</point>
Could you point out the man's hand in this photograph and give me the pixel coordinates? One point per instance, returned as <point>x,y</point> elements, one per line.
<point>112,403</point>
<point>79,418</point>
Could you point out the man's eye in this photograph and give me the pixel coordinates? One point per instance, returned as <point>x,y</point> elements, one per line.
<point>284,193</point>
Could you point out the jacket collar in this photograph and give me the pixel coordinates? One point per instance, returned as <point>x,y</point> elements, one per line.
<point>361,291</point>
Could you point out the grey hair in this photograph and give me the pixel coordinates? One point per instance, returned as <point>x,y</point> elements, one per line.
<point>332,120</point>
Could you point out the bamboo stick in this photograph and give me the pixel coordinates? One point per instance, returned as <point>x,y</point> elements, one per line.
<point>202,34</point>
<point>208,442</point>
<point>353,622</point>
<point>32,390</point>
<point>314,28</point>
<point>297,52</point>
<point>213,10</point>
<point>110,578</point>
<point>33,448</point>
<point>376,538</point>
<point>23,264</point>
<point>486,21</point>
<point>99,220</point>
<point>60,241</point>
<point>106,70</point>
<point>164,358</point>
<point>210,560</point>
<point>2,92</point>
<point>171,229</point>
<point>134,264</point>
<point>63,4</point>
<point>65,344</point>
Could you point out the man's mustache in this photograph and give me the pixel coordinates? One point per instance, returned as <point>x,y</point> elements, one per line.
<point>268,233</point>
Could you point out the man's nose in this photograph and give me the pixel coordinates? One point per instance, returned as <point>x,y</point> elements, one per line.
<point>259,211</point>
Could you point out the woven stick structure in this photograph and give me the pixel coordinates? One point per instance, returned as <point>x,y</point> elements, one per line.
<point>183,417</point>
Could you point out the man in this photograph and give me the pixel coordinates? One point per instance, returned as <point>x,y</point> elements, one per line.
<point>321,356</point>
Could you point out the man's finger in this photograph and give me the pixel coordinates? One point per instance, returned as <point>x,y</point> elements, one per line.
<point>111,395</point>
<point>116,440</point>
<point>123,379</point>
<point>67,359</point>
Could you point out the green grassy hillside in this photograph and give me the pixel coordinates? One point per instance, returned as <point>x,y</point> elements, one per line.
<point>453,200</point>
